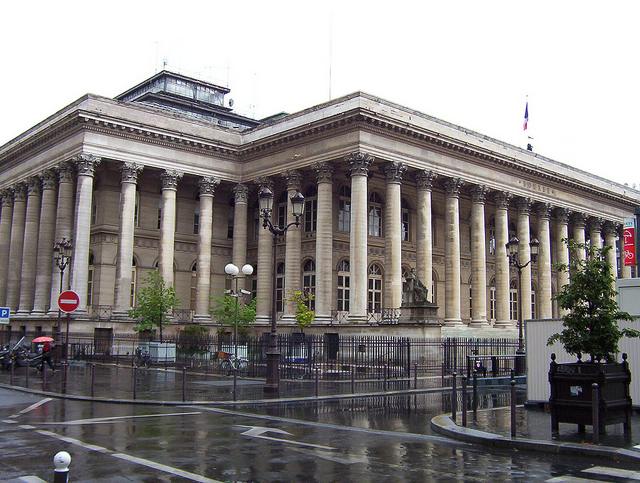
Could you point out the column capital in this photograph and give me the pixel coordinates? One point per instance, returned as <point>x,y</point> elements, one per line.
<point>544,210</point>
<point>479,193</point>
<point>595,223</point>
<point>65,172</point>
<point>207,185</point>
<point>579,219</point>
<point>452,187</point>
<point>562,214</point>
<point>359,163</point>
<point>34,186</point>
<point>170,178</point>
<point>425,179</point>
<point>394,172</point>
<point>86,164</point>
<point>502,199</point>
<point>19,192</point>
<point>7,197</point>
<point>241,193</point>
<point>610,228</point>
<point>264,182</point>
<point>324,172</point>
<point>48,178</point>
<point>130,172</point>
<point>524,205</point>
<point>293,178</point>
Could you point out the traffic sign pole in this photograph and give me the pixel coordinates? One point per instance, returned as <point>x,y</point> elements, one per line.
<point>68,302</point>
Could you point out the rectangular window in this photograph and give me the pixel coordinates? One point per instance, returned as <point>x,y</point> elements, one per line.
<point>159,218</point>
<point>343,293</point>
<point>310,215</point>
<point>344,216</point>
<point>405,225</point>
<point>90,287</point>
<point>196,223</point>
<point>492,303</point>
<point>282,214</point>
<point>94,212</point>
<point>375,221</point>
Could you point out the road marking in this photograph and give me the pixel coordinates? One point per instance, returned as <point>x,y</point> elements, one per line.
<point>31,408</point>
<point>29,479</point>
<point>166,469</point>
<point>26,426</point>
<point>77,442</point>
<point>258,432</point>
<point>568,479</point>
<point>328,455</point>
<point>9,421</point>
<point>605,471</point>
<point>79,422</point>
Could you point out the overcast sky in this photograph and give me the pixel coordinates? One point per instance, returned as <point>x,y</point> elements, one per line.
<point>471,63</point>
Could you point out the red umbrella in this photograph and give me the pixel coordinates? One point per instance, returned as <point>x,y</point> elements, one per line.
<point>43,338</point>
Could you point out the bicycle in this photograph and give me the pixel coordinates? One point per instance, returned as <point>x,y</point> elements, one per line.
<point>230,364</point>
<point>142,358</point>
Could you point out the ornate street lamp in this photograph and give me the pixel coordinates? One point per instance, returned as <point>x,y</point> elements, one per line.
<point>265,198</point>
<point>514,260</point>
<point>62,256</point>
<point>233,271</point>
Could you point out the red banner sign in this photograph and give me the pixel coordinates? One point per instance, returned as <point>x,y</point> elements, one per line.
<point>629,242</point>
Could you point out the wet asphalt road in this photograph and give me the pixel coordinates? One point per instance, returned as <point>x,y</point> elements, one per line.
<point>363,440</point>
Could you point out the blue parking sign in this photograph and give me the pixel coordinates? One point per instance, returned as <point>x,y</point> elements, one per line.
<point>5,314</point>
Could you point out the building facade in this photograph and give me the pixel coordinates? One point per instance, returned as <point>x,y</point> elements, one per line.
<point>165,177</point>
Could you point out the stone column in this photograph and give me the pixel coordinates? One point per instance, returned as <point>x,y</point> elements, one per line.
<point>5,241</point>
<point>610,232</point>
<point>562,233</point>
<point>324,242</point>
<point>64,228</point>
<point>45,243</point>
<point>208,186</point>
<point>478,257</point>
<point>17,240</point>
<point>625,270</point>
<point>393,235</point>
<point>543,299</point>
<point>359,163</point>
<point>503,279</point>
<point>239,249</point>
<point>293,247</point>
<point>124,260</point>
<point>424,237</point>
<point>524,255</point>
<point>85,165</point>
<point>579,222</point>
<point>264,297</point>
<point>30,246</point>
<point>170,179</point>
<point>595,226</point>
<point>452,253</point>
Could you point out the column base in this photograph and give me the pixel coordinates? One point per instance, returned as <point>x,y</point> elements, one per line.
<point>505,324</point>
<point>263,319</point>
<point>357,319</point>
<point>453,322</point>
<point>38,313</point>
<point>479,323</point>
<point>201,318</point>
<point>118,313</point>
<point>288,319</point>
<point>23,313</point>
<point>323,319</point>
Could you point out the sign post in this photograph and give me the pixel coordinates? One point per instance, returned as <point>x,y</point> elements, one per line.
<point>68,302</point>
<point>5,315</point>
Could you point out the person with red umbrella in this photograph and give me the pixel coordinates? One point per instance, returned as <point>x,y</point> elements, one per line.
<point>46,351</point>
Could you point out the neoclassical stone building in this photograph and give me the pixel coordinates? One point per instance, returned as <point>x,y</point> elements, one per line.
<point>166,177</point>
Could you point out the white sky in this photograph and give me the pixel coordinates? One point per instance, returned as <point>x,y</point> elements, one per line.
<point>471,63</point>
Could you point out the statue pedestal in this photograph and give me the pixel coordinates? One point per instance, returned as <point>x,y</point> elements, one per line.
<point>419,312</point>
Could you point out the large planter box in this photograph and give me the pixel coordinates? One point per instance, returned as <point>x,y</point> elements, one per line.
<point>571,394</point>
<point>162,352</point>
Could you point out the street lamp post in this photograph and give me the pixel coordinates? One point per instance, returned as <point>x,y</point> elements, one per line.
<point>233,271</point>
<point>272,385</point>
<point>62,257</point>
<point>514,260</point>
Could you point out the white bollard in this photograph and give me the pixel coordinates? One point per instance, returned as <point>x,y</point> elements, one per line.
<point>61,462</point>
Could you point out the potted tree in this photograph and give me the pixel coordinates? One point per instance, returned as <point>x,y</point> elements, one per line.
<point>590,328</point>
<point>155,299</point>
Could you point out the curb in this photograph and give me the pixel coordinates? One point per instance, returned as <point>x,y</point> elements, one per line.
<point>444,425</point>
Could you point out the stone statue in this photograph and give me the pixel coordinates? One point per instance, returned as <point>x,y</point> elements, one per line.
<point>413,290</point>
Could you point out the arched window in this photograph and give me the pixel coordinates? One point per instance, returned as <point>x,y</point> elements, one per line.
<point>280,288</point>
<point>374,292</point>
<point>344,209</point>
<point>375,215</point>
<point>282,208</point>
<point>344,273</point>
<point>194,286</point>
<point>405,220</point>
<point>230,217</point>
<point>309,280</point>
<point>136,212</point>
<point>310,210</point>
<point>492,299</point>
<point>90,281</point>
<point>134,277</point>
<point>513,300</point>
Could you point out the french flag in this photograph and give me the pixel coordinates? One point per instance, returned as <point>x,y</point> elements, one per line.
<point>526,116</point>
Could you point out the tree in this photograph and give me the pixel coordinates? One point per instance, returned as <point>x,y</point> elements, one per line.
<point>302,300</point>
<point>155,299</point>
<point>590,324</point>
<point>224,312</point>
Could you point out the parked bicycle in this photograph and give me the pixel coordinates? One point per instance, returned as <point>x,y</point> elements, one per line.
<point>142,358</point>
<point>229,363</point>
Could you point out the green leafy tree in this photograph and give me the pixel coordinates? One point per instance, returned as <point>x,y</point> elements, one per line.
<point>224,312</point>
<point>155,299</point>
<point>193,339</point>
<point>590,323</point>
<point>302,300</point>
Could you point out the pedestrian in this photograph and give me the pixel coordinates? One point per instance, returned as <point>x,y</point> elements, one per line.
<point>46,356</point>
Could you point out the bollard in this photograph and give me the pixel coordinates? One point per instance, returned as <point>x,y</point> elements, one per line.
<point>61,463</point>
<point>513,408</point>
<point>464,401</point>
<point>595,413</point>
<point>184,384</point>
<point>134,376</point>
<point>93,379</point>
<point>475,395</point>
<point>316,382</point>
<point>386,375</point>
<point>353,380</point>
<point>415,375</point>
<point>454,397</point>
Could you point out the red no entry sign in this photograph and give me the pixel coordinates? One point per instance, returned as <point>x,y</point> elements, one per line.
<point>68,301</point>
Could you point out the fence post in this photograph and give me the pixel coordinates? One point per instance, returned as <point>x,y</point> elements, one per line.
<point>93,379</point>
<point>353,381</point>
<point>61,463</point>
<point>464,401</point>
<point>595,412</point>
<point>475,395</point>
<point>386,375</point>
<point>415,375</point>
<point>316,382</point>
<point>454,397</point>
<point>494,366</point>
<point>184,383</point>
<point>513,408</point>
<point>134,376</point>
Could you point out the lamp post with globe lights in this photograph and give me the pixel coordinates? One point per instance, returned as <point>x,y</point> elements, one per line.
<point>232,271</point>
<point>62,257</point>
<point>265,198</point>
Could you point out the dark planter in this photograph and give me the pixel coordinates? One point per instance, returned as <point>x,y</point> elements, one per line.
<point>571,393</point>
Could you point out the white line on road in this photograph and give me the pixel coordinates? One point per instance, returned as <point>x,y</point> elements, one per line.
<point>77,442</point>
<point>258,432</point>
<point>79,422</point>
<point>619,473</point>
<point>31,408</point>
